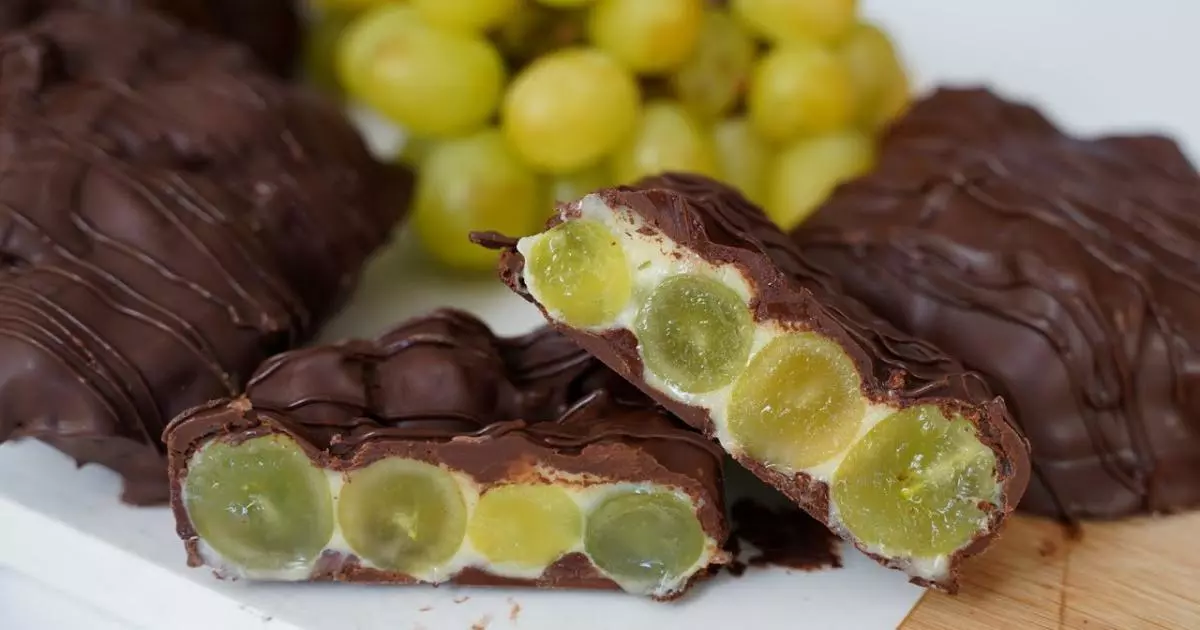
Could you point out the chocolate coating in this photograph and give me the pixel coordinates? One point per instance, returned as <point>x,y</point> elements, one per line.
<point>1067,270</point>
<point>716,222</point>
<point>165,225</point>
<point>443,389</point>
<point>271,28</point>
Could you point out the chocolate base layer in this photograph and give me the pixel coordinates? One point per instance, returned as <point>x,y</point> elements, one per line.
<point>1066,270</point>
<point>444,390</point>
<point>718,224</point>
<point>271,28</point>
<point>169,217</point>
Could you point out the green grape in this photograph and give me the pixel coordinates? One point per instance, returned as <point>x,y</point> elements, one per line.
<point>743,158</point>
<point>464,15</point>
<point>807,171</point>
<point>648,37</point>
<point>788,20</point>
<point>710,81</point>
<point>569,109</point>
<point>695,333</point>
<point>321,41</point>
<point>644,536</point>
<point>565,4</point>
<point>668,138</point>
<point>526,525</point>
<point>261,504</point>
<point>797,404</point>
<point>880,84</point>
<point>577,270</point>
<point>414,150</point>
<point>534,30</point>
<point>913,485</point>
<point>432,82</point>
<point>473,183</point>
<point>571,186</point>
<point>799,88</point>
<point>403,515</point>
<point>349,5</point>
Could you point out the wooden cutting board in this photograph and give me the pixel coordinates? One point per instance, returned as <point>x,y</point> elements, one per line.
<point>1130,575</point>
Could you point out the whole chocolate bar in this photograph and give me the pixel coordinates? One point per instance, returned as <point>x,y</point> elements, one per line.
<point>1066,270</point>
<point>686,289</point>
<point>169,217</point>
<point>271,28</point>
<point>441,453</point>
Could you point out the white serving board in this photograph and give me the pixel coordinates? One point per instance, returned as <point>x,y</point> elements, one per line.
<point>72,558</point>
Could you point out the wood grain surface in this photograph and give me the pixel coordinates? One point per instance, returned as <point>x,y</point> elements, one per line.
<point>1129,575</point>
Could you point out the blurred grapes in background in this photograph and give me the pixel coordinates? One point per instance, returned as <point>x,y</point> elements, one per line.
<point>510,105</point>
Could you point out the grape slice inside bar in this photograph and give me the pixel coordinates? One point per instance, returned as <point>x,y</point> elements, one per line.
<point>889,442</point>
<point>442,453</point>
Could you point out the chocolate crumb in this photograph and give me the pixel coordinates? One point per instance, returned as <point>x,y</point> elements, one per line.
<point>515,611</point>
<point>783,536</point>
<point>482,624</point>
<point>461,598</point>
<point>425,609</point>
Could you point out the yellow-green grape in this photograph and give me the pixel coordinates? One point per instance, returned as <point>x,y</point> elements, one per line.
<point>786,20</point>
<point>571,186</point>
<point>743,158</point>
<point>648,37</point>
<point>797,404</point>
<point>321,41</point>
<point>261,504</point>
<point>464,15</point>
<point>806,172</point>
<point>534,30</point>
<point>565,4</point>
<point>403,515</point>
<point>525,525</point>
<point>912,486</point>
<point>431,81</point>
<point>473,183</point>
<point>414,150</point>
<point>710,81</point>
<point>350,5</point>
<point>880,84</point>
<point>577,270</point>
<point>695,333</point>
<point>799,88</point>
<point>569,109</point>
<point>644,537</point>
<point>668,138</point>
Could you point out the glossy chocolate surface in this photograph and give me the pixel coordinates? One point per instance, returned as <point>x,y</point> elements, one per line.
<point>1065,269</point>
<point>169,217</point>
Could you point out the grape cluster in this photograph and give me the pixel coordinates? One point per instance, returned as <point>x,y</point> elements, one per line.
<point>511,104</point>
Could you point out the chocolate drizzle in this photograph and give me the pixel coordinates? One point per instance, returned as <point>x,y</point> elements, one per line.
<point>165,226</point>
<point>1065,269</point>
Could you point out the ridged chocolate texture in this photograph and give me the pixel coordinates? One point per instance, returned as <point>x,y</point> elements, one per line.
<point>722,227</point>
<point>1067,270</point>
<point>169,217</point>
<point>271,28</point>
<point>444,389</point>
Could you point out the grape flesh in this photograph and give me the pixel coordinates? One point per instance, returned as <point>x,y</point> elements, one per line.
<point>578,271</point>
<point>464,15</point>
<point>807,171</point>
<point>694,333</point>
<point>880,83</point>
<point>525,525</point>
<point>567,110</point>
<point>473,183</point>
<point>403,515</point>
<point>667,139</point>
<point>912,486</point>
<point>743,158</point>
<point>644,537</point>
<point>798,403</point>
<point>799,88</point>
<point>260,504</point>
<point>789,20</point>
<point>712,78</point>
<point>647,37</point>
<point>430,81</point>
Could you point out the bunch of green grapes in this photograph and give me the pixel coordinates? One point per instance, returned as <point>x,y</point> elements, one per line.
<point>512,104</point>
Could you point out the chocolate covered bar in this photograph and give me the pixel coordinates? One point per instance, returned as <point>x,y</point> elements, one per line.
<point>441,453</point>
<point>271,28</point>
<point>1066,270</point>
<point>170,216</point>
<point>687,290</point>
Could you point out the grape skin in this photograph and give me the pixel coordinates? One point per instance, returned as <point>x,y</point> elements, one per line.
<point>647,36</point>
<point>744,159</point>
<point>799,88</point>
<point>669,138</point>
<point>790,20</point>
<point>713,77</point>
<point>464,15</point>
<point>807,171</point>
